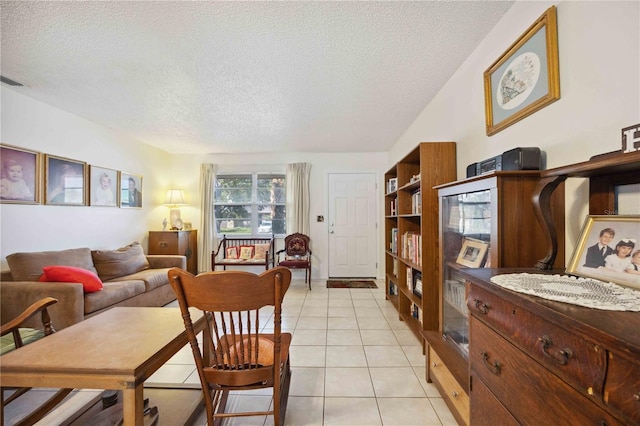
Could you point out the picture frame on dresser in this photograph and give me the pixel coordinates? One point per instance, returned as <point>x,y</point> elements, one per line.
<point>21,170</point>
<point>103,187</point>
<point>618,237</point>
<point>472,253</point>
<point>526,77</point>
<point>66,181</point>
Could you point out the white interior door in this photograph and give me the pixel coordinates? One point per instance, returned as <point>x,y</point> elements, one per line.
<point>352,225</point>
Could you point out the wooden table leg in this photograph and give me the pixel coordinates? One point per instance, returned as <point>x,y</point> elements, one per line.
<point>133,401</point>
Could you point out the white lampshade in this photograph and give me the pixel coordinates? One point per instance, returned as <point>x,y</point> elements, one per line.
<point>175,197</point>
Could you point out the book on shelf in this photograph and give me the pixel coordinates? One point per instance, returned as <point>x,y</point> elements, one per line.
<point>416,203</point>
<point>393,245</point>
<point>409,276</point>
<point>411,247</point>
<point>416,312</point>
<point>395,267</point>
<point>393,211</point>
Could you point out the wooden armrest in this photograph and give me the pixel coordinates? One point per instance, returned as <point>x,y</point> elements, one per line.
<point>14,324</point>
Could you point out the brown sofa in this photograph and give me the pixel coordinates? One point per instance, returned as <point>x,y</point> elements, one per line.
<point>129,278</point>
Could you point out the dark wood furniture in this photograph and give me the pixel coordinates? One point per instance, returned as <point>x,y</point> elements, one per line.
<point>118,349</point>
<point>184,243</point>
<point>536,361</point>
<point>297,254</point>
<point>23,336</point>
<point>242,358</point>
<point>495,212</point>
<point>219,258</point>
<point>411,232</point>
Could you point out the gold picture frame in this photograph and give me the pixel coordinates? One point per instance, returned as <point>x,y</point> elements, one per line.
<point>472,253</point>
<point>515,85</point>
<point>21,175</point>
<point>588,261</point>
<point>130,190</point>
<point>66,181</point>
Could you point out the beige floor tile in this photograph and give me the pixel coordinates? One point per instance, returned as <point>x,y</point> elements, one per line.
<point>343,337</point>
<point>307,356</point>
<point>312,323</point>
<point>346,356</point>
<point>365,303</point>
<point>351,411</point>
<point>348,382</point>
<point>304,411</point>
<point>238,403</point>
<point>406,337</point>
<point>342,323</point>
<point>340,303</point>
<point>398,382</point>
<point>368,312</point>
<point>377,323</point>
<point>414,355</point>
<point>309,337</point>
<point>313,311</point>
<point>407,412</point>
<point>385,356</point>
<point>307,381</point>
<point>378,337</point>
<point>446,418</point>
<point>172,373</point>
<point>361,293</point>
<point>342,312</point>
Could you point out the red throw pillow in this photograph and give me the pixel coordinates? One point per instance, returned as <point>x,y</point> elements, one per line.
<point>70,274</point>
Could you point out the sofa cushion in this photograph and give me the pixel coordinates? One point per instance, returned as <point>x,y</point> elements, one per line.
<point>111,294</point>
<point>70,274</point>
<point>118,263</point>
<point>28,266</point>
<point>152,278</point>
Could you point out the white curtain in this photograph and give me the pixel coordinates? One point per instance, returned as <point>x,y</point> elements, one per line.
<point>298,198</point>
<point>207,235</point>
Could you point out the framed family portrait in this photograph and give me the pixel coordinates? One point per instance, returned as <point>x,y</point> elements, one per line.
<point>608,250</point>
<point>130,190</point>
<point>472,253</point>
<point>526,77</point>
<point>65,181</point>
<point>103,187</point>
<point>20,182</point>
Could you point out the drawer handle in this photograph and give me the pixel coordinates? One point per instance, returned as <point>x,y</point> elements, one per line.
<point>495,368</point>
<point>482,307</point>
<point>454,394</point>
<point>562,356</point>
<point>636,397</point>
<point>163,244</point>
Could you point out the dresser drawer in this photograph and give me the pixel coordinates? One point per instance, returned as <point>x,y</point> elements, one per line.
<point>530,392</point>
<point>622,389</point>
<point>452,390</point>
<point>580,362</point>
<point>485,407</point>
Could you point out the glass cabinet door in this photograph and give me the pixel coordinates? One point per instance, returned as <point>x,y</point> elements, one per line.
<point>466,236</point>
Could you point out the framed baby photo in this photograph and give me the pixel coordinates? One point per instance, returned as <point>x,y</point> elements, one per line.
<point>472,253</point>
<point>21,175</point>
<point>608,250</point>
<point>66,181</point>
<point>130,190</point>
<point>103,187</point>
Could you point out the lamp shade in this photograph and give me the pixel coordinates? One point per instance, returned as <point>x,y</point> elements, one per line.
<point>175,197</point>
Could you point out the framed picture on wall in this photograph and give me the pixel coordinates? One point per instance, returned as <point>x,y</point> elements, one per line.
<point>609,250</point>
<point>65,181</point>
<point>526,77</point>
<point>103,187</point>
<point>20,182</point>
<point>130,190</point>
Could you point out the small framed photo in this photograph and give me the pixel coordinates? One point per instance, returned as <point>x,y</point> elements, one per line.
<point>65,181</point>
<point>417,284</point>
<point>472,253</point>
<point>609,250</point>
<point>187,226</point>
<point>21,168</point>
<point>103,184</point>
<point>130,190</point>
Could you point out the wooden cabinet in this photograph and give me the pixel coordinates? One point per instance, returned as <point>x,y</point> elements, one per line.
<point>540,361</point>
<point>184,243</point>
<point>411,232</point>
<point>487,220</point>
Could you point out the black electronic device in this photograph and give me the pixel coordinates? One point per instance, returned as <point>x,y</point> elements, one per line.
<point>514,159</point>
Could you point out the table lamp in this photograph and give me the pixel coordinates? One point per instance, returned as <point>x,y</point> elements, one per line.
<point>175,198</point>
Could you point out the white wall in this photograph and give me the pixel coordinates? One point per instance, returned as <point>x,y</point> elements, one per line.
<point>187,167</point>
<point>599,49</point>
<point>31,124</point>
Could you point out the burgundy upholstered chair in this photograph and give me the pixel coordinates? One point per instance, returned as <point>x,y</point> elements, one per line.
<point>297,254</point>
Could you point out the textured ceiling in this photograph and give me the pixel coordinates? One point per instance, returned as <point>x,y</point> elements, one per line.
<point>233,77</point>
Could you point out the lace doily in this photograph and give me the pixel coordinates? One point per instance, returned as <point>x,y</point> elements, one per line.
<point>576,291</point>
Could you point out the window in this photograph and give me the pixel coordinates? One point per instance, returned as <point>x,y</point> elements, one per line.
<point>250,204</point>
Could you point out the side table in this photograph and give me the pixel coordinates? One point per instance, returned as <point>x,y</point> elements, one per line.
<point>183,243</point>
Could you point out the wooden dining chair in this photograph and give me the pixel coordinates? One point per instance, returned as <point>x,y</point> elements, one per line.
<point>297,254</point>
<point>14,335</point>
<point>236,354</point>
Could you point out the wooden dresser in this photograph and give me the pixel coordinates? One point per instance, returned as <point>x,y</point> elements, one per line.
<point>535,361</point>
<point>184,243</point>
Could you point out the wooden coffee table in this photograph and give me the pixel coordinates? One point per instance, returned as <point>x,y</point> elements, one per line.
<point>117,349</point>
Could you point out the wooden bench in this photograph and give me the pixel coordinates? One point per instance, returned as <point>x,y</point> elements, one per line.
<point>220,258</point>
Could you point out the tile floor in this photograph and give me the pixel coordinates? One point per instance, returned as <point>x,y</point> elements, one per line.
<point>353,363</point>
